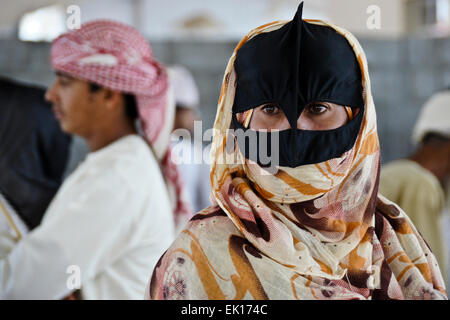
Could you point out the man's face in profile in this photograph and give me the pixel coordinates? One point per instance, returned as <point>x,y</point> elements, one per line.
<point>76,107</point>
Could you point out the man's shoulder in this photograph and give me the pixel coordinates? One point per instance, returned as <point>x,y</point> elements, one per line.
<point>125,164</point>
<point>400,166</point>
<point>407,170</point>
<point>131,148</point>
<point>130,155</point>
<point>402,177</point>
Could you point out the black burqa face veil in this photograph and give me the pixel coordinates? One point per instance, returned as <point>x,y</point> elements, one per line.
<point>292,67</point>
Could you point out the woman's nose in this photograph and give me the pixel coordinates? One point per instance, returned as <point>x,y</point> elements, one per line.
<point>303,123</point>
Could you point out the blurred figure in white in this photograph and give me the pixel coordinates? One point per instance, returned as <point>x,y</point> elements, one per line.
<point>189,149</point>
<point>418,183</point>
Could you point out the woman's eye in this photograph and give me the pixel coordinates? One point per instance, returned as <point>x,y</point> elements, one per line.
<point>269,109</point>
<point>317,109</point>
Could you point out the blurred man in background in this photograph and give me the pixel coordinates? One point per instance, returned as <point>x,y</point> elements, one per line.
<point>418,183</point>
<point>112,218</point>
<point>194,170</point>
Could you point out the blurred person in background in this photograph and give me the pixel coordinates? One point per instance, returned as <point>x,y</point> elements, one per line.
<point>34,152</point>
<point>194,170</point>
<point>112,217</point>
<point>417,184</point>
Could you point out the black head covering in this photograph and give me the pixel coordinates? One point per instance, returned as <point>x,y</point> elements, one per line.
<point>292,67</point>
<point>33,150</point>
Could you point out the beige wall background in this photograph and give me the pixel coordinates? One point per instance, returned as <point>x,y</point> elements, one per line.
<point>228,19</point>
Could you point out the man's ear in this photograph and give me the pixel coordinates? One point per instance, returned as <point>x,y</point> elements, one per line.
<point>112,98</point>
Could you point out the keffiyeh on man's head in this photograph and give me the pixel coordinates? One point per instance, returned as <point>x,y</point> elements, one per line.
<point>116,56</point>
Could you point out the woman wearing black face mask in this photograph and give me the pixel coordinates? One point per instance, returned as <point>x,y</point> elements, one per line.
<point>314,226</point>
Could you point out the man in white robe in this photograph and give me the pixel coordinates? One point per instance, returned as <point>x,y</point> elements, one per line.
<point>112,218</point>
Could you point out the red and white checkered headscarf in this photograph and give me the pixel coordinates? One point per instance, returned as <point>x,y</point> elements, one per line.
<point>116,56</point>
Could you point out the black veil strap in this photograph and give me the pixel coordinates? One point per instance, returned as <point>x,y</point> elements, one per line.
<point>293,36</point>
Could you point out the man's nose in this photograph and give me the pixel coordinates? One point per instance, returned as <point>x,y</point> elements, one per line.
<point>50,93</point>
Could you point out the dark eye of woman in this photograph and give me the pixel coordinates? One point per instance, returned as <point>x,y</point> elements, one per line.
<point>270,109</point>
<point>317,108</point>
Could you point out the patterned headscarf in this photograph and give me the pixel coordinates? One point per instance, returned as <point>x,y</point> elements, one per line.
<point>116,56</point>
<point>318,231</point>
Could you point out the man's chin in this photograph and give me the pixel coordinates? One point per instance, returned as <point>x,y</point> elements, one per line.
<point>65,126</point>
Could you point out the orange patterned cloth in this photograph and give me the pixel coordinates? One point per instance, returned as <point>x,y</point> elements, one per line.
<point>318,231</point>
